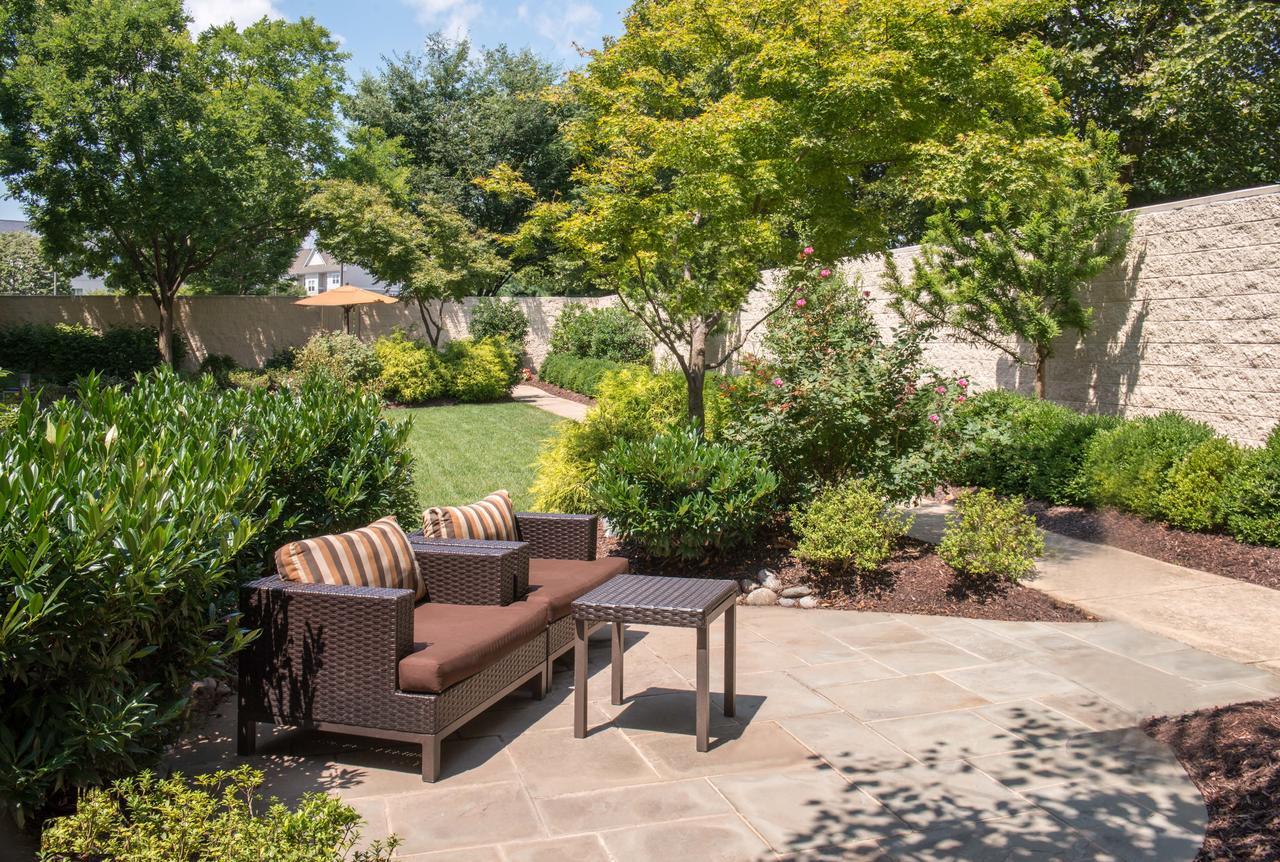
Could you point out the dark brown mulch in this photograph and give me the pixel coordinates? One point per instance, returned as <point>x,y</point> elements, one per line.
<point>1232,753</point>
<point>567,394</point>
<point>914,581</point>
<point>1219,555</point>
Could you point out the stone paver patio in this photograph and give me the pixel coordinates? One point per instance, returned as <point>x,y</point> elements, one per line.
<point>858,736</point>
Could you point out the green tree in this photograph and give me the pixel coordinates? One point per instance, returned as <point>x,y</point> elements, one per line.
<point>23,269</point>
<point>720,137</point>
<point>151,157</point>
<point>1017,269</point>
<point>1191,86</point>
<point>462,113</point>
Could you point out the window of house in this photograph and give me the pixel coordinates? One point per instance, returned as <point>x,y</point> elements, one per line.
<point>335,279</point>
<point>313,284</point>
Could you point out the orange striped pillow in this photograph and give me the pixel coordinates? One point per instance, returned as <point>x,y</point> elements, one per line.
<point>492,518</point>
<point>378,555</point>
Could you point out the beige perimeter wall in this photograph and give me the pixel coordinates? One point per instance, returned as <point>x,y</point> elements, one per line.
<point>1189,321</point>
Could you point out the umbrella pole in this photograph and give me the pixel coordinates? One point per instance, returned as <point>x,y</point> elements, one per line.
<point>346,319</point>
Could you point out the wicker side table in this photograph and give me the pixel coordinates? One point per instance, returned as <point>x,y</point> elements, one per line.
<point>655,601</point>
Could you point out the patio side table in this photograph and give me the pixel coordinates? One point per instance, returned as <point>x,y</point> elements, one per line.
<point>656,601</point>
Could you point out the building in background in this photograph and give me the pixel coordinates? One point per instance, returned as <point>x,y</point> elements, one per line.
<point>316,271</point>
<point>80,285</point>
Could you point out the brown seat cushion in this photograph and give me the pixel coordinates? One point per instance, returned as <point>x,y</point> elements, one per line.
<point>454,642</point>
<point>554,584</point>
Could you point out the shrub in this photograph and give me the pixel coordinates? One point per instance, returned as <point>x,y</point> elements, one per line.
<point>679,496</point>
<point>1194,494</point>
<point>1018,445</point>
<point>220,367</point>
<point>1252,495</point>
<point>493,318</point>
<point>577,374</point>
<point>847,528</point>
<point>412,372</point>
<point>990,539</point>
<point>480,370</point>
<point>601,333</point>
<point>282,359</point>
<point>245,379</point>
<point>631,404</point>
<point>214,816</point>
<point>838,401</point>
<point>1126,466</point>
<point>342,357</point>
<point>61,352</point>
<point>137,513</point>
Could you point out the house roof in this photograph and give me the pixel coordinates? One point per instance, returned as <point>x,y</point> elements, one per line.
<point>311,260</point>
<point>13,225</point>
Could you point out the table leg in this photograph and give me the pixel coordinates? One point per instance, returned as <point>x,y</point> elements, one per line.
<point>730,659</point>
<point>703,698</point>
<point>615,662</point>
<point>580,679</point>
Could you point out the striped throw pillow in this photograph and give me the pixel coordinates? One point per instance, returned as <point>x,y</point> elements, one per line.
<point>492,518</point>
<point>378,555</point>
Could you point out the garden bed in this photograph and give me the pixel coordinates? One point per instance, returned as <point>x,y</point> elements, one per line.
<point>567,394</point>
<point>1231,754</point>
<point>914,581</point>
<point>1208,552</point>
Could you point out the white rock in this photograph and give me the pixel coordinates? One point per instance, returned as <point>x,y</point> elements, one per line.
<point>809,602</point>
<point>748,585</point>
<point>762,596</point>
<point>787,603</point>
<point>796,592</point>
<point>770,580</point>
<point>764,575</point>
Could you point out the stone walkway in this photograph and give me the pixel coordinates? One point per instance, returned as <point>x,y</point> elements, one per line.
<point>535,397</point>
<point>858,736</point>
<point>1229,618</point>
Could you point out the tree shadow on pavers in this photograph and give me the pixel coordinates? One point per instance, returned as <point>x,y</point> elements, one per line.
<point>669,710</point>
<point>1093,793</point>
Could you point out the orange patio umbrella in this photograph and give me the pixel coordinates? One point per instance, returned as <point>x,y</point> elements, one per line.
<point>347,297</point>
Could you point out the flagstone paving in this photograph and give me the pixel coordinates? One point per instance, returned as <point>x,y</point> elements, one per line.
<point>858,736</point>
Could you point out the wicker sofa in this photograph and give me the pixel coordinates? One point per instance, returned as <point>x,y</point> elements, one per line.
<point>368,661</point>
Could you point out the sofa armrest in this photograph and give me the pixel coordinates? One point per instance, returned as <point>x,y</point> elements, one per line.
<point>558,537</point>
<point>323,650</point>
<point>468,572</point>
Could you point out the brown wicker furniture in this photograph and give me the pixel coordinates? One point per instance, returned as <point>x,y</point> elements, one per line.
<point>644,600</point>
<point>367,661</point>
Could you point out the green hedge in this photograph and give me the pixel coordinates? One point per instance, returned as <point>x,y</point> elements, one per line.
<point>578,374</point>
<point>128,518</point>
<point>1127,467</point>
<point>601,333</point>
<point>61,352</point>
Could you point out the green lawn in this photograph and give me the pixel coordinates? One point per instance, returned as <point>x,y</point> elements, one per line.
<point>465,451</point>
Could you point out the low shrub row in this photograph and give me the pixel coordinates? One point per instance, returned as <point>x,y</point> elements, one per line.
<point>1165,467</point>
<point>601,333</point>
<point>578,374</point>
<point>128,518</point>
<point>60,352</point>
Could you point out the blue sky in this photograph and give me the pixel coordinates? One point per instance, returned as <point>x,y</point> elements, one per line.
<point>372,29</point>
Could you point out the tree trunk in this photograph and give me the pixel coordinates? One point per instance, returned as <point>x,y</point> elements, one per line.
<point>1042,360</point>
<point>431,325</point>
<point>695,375</point>
<point>164,302</point>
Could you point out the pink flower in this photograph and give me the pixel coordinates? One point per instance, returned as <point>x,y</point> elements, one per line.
<point>777,381</point>
<point>960,399</point>
<point>941,390</point>
<point>800,303</point>
<point>962,383</point>
<point>867,294</point>
<point>826,273</point>
<point>808,250</point>
<point>933,417</point>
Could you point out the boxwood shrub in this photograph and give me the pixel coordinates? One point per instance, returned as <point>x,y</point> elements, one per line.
<point>1194,495</point>
<point>127,520</point>
<point>1251,504</point>
<point>848,529</point>
<point>578,374</point>
<point>1127,466</point>
<point>989,539</point>
<point>481,370</point>
<point>411,372</point>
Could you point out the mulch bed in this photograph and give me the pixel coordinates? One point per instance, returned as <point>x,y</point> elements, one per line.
<point>1232,753</point>
<point>567,394</point>
<point>1219,555</point>
<point>914,581</point>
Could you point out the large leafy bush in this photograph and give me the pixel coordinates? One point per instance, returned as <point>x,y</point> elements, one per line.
<point>680,496</point>
<point>60,352</point>
<point>217,817</point>
<point>494,318</point>
<point>1126,466</point>
<point>481,370</point>
<point>989,539</point>
<point>412,372</point>
<point>578,374</point>
<point>1194,496</point>
<point>632,404</point>
<point>1252,495</point>
<point>601,333</point>
<point>127,520</point>
<point>836,400</point>
<point>1019,445</point>
<point>340,356</point>
<point>848,529</point>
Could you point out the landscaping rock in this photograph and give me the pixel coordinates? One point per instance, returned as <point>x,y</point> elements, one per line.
<point>748,585</point>
<point>762,596</point>
<point>769,580</point>
<point>787,603</point>
<point>797,592</point>
<point>808,602</point>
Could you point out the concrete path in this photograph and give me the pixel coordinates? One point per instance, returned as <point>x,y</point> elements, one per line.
<point>1224,616</point>
<point>857,736</point>
<point>535,397</point>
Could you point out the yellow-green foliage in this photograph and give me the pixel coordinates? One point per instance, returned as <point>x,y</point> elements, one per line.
<point>411,371</point>
<point>633,404</point>
<point>848,527</point>
<point>1194,493</point>
<point>481,370</point>
<point>990,539</point>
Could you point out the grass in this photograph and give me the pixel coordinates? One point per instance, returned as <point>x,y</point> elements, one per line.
<point>464,451</point>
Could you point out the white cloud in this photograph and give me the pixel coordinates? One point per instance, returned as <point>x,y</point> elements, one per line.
<point>452,17</point>
<point>243,12</point>
<point>564,23</point>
